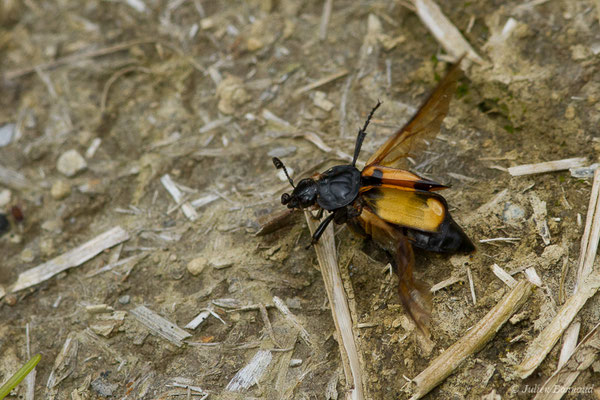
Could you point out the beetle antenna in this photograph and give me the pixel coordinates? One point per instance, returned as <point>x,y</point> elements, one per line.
<point>279,165</point>
<point>362,133</point>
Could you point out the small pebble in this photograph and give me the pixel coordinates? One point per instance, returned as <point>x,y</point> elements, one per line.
<point>7,132</point>
<point>10,299</point>
<point>295,362</point>
<point>104,388</point>
<point>320,100</point>
<point>207,23</point>
<point>220,262</point>
<point>47,247</point>
<point>5,196</point>
<point>125,299</point>
<point>231,94</point>
<point>53,225</point>
<point>254,44</point>
<point>60,189</point>
<point>512,212</point>
<point>196,266</point>
<point>570,112</point>
<point>70,163</point>
<point>579,52</point>
<point>27,255</point>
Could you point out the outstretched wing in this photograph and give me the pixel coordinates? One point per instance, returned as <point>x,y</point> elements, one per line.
<point>425,125</point>
<point>414,295</point>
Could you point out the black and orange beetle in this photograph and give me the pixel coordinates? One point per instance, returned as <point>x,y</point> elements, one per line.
<point>395,208</point>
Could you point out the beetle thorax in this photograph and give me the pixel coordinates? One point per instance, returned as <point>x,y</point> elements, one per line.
<point>338,187</point>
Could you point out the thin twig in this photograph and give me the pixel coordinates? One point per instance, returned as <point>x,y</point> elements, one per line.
<point>545,341</point>
<point>472,341</point>
<point>549,166</point>
<point>589,241</point>
<point>325,19</point>
<point>444,31</point>
<point>113,79</point>
<point>504,276</point>
<point>587,284</point>
<point>500,239</point>
<point>320,82</point>
<point>17,73</point>
<point>471,285</point>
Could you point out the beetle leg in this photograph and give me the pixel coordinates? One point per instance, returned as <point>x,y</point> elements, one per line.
<point>320,229</point>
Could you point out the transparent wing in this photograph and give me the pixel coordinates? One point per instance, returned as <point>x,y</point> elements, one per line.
<point>424,126</point>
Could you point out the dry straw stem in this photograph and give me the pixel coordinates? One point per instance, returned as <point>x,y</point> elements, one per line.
<point>327,256</point>
<point>549,166</point>
<point>581,359</point>
<point>444,31</point>
<point>504,276</point>
<point>72,258</point>
<point>72,58</point>
<point>569,344</point>
<point>320,82</point>
<point>174,191</point>
<point>327,5</point>
<point>472,341</point>
<point>587,285</point>
<point>541,346</point>
<point>589,247</point>
<point>160,326</point>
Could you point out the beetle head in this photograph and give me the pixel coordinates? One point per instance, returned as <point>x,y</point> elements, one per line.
<point>304,195</point>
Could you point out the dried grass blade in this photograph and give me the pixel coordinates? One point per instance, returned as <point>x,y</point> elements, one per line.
<point>472,341</point>
<point>444,31</point>
<point>160,326</point>
<point>72,258</point>
<point>549,166</point>
<point>327,256</point>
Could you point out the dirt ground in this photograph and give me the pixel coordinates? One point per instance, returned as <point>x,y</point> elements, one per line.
<point>207,92</point>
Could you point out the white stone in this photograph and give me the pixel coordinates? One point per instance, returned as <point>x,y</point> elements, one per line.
<point>70,163</point>
<point>196,266</point>
<point>5,196</point>
<point>7,132</point>
<point>60,189</point>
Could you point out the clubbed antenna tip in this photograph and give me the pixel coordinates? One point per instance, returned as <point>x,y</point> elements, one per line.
<point>279,165</point>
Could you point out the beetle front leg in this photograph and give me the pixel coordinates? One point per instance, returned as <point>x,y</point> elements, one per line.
<point>320,229</point>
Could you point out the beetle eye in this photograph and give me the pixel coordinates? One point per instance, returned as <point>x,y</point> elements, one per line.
<point>285,198</point>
